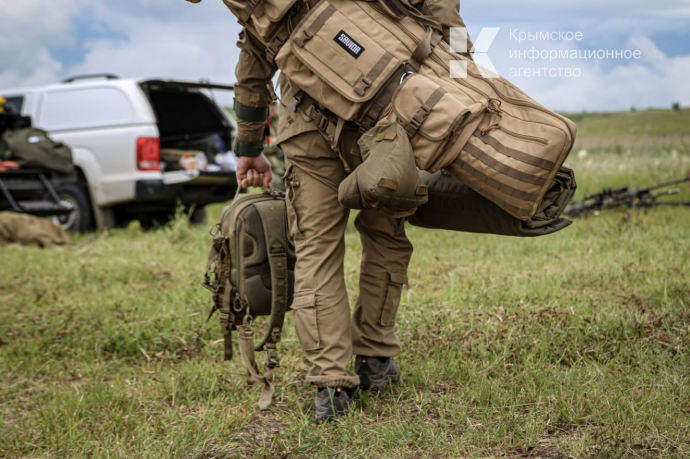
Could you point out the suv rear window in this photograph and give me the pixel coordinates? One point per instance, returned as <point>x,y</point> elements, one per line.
<point>81,108</point>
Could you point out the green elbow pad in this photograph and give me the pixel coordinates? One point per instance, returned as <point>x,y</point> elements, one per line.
<point>251,149</point>
<point>247,113</point>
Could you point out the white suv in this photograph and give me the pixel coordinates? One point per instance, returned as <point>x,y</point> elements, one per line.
<point>116,129</point>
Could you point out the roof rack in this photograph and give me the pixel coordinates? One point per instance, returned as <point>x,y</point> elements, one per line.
<point>107,76</point>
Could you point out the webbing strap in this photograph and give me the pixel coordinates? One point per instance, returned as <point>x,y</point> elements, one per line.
<point>513,153</point>
<point>246,345</point>
<point>373,74</point>
<point>330,129</point>
<point>248,11</point>
<point>272,215</point>
<point>310,31</point>
<point>503,168</point>
<point>421,115</point>
<point>300,10</point>
<point>381,102</point>
<point>507,189</point>
<point>375,204</point>
<point>410,11</point>
<point>221,288</point>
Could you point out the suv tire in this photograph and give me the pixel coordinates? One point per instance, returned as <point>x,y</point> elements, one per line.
<point>81,220</point>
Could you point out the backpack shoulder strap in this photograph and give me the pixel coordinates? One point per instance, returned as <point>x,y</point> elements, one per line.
<point>274,222</point>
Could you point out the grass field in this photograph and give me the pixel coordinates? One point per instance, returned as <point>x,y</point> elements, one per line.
<point>575,345</point>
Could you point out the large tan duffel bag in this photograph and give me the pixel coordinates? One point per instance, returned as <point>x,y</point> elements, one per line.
<point>454,206</point>
<point>382,62</point>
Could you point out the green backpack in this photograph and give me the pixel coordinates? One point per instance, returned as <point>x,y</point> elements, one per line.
<point>250,271</point>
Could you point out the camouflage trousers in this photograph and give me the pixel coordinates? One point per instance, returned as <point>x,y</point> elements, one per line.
<point>317,221</point>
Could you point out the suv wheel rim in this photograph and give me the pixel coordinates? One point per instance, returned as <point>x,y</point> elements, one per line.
<point>70,220</point>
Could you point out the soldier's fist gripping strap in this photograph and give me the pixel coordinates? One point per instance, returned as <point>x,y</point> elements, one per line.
<point>251,122</point>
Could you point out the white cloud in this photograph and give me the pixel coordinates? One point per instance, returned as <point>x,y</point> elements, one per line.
<point>655,80</point>
<point>181,40</point>
<point>28,27</point>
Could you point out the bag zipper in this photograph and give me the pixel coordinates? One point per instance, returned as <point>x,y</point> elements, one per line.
<point>528,138</point>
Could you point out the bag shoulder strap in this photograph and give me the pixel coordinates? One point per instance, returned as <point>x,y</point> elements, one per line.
<point>274,223</point>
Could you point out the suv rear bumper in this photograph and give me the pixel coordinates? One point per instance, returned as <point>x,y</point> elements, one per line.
<point>152,193</point>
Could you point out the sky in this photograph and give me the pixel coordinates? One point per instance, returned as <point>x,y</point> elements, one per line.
<point>45,42</point>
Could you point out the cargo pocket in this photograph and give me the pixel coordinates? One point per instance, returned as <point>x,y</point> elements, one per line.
<point>291,181</point>
<point>304,306</point>
<point>434,120</point>
<point>392,301</point>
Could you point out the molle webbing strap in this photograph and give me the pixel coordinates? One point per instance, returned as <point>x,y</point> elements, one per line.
<point>424,49</point>
<point>310,31</point>
<point>375,204</point>
<point>503,168</point>
<point>374,73</point>
<point>329,128</point>
<point>515,154</point>
<point>300,10</point>
<point>250,114</point>
<point>388,183</point>
<point>248,11</point>
<point>410,11</point>
<point>380,102</point>
<point>480,176</point>
<point>421,115</point>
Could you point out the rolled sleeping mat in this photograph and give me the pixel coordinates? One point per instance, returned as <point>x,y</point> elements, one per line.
<point>454,206</point>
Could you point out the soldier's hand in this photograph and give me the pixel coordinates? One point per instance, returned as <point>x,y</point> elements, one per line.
<point>254,171</point>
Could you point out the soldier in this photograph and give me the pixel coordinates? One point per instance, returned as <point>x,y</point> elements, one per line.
<point>317,224</point>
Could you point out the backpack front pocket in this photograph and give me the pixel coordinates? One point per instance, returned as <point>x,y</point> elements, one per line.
<point>434,120</point>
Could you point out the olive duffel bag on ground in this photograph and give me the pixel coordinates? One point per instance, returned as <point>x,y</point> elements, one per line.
<point>250,271</point>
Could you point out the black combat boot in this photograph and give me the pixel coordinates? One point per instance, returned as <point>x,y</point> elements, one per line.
<point>376,372</point>
<point>332,402</point>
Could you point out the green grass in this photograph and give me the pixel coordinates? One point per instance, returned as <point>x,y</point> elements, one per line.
<point>644,122</point>
<point>571,345</point>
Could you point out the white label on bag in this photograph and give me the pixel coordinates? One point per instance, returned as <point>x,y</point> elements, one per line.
<point>349,44</point>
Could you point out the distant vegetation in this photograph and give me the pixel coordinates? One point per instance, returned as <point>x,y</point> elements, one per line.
<point>646,122</point>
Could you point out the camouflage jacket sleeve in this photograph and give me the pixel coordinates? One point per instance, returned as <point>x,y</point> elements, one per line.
<point>253,73</point>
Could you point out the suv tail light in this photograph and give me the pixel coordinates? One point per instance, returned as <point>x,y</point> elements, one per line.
<point>149,154</point>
